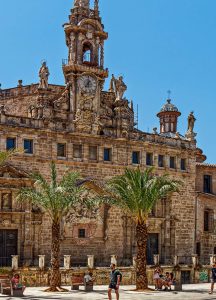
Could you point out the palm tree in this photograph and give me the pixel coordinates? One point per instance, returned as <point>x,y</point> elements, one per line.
<point>56,199</point>
<point>137,192</point>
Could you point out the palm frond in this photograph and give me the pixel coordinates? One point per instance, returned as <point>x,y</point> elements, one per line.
<point>5,155</point>
<point>137,191</point>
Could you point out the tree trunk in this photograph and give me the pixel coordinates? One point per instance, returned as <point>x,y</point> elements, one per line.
<point>55,281</point>
<point>141,261</point>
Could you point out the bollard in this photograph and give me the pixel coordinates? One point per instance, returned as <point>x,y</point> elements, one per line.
<point>114,259</point>
<point>176,260</point>
<point>67,261</point>
<point>14,262</point>
<point>156,259</point>
<point>195,260</point>
<point>134,261</point>
<point>91,261</point>
<point>41,261</point>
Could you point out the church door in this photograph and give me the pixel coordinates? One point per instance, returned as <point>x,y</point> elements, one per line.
<point>8,246</point>
<point>152,247</point>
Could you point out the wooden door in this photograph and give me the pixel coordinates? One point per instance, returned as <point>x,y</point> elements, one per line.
<point>8,246</point>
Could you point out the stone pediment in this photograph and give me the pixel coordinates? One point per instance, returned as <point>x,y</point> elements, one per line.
<point>9,171</point>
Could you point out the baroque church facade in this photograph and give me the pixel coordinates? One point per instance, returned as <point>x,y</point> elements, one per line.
<point>83,128</point>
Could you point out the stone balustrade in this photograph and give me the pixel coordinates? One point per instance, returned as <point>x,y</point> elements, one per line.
<point>113,260</point>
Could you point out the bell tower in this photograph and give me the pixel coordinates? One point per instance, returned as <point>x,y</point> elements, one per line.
<point>84,69</point>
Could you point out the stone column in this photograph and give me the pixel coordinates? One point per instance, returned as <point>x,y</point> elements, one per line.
<point>67,261</point>
<point>176,260</point>
<point>195,260</point>
<point>114,259</point>
<point>14,262</point>
<point>91,261</point>
<point>212,259</point>
<point>156,259</point>
<point>41,261</point>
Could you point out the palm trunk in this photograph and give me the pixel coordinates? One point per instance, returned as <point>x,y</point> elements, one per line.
<point>141,261</point>
<point>55,281</point>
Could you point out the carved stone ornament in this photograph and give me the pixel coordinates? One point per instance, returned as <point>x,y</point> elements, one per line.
<point>6,223</point>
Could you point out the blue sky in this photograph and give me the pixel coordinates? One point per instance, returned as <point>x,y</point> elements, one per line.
<point>157,45</point>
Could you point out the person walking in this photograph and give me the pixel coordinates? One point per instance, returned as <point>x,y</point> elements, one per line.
<point>115,279</point>
<point>213,278</point>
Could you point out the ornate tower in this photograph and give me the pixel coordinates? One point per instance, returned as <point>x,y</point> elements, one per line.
<point>84,70</point>
<point>168,118</point>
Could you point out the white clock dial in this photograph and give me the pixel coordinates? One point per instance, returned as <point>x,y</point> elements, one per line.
<point>87,84</point>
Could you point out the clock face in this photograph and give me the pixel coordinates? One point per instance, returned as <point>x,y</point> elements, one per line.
<point>87,84</point>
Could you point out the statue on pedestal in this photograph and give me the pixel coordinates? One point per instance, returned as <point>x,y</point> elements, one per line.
<point>191,122</point>
<point>118,86</point>
<point>44,76</point>
<point>190,135</point>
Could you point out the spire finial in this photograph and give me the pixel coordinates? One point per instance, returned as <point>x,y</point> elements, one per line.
<point>96,5</point>
<point>169,94</point>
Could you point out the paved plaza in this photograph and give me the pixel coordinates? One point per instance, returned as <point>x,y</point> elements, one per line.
<point>193,291</point>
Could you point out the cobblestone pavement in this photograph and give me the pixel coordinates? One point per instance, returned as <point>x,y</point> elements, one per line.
<point>193,291</point>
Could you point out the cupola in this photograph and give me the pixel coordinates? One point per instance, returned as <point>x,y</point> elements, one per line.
<point>168,118</point>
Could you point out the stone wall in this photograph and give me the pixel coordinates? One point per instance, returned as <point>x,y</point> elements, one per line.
<point>174,219</point>
<point>205,202</point>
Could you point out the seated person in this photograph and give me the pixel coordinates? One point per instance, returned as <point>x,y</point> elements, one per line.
<point>166,281</point>
<point>88,279</point>
<point>157,278</point>
<point>16,283</point>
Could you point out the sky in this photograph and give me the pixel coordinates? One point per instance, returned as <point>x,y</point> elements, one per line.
<point>157,45</point>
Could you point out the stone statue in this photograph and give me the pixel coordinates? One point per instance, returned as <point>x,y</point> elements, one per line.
<point>191,122</point>
<point>44,76</point>
<point>82,3</point>
<point>118,86</point>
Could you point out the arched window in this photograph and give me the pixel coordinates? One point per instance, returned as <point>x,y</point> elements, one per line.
<point>87,53</point>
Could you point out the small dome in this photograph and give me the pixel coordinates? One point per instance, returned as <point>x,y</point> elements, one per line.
<point>169,107</point>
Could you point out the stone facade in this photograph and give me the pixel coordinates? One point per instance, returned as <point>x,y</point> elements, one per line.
<point>83,128</point>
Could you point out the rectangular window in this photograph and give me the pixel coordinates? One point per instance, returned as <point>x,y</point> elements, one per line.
<point>149,159</point>
<point>10,143</point>
<point>160,161</point>
<point>172,162</point>
<point>206,220</point>
<point>183,164</point>
<point>61,150</point>
<point>77,151</point>
<point>81,233</point>
<point>207,184</point>
<point>93,153</point>
<point>28,146</point>
<point>136,157</point>
<point>107,154</point>
<point>6,201</point>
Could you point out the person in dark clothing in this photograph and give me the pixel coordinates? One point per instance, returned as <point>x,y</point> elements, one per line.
<point>213,278</point>
<point>115,279</point>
